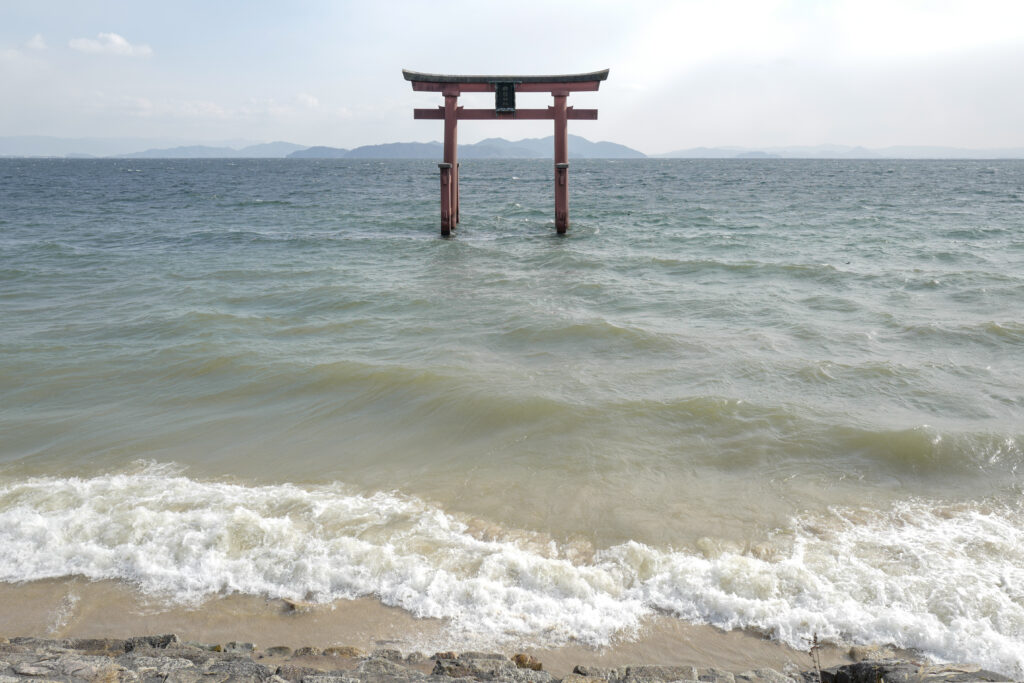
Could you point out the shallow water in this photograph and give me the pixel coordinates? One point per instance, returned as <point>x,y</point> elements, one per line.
<point>781,396</point>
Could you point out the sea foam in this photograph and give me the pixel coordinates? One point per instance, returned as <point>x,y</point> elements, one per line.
<point>945,579</point>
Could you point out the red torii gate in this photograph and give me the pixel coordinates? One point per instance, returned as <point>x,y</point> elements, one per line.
<point>504,89</point>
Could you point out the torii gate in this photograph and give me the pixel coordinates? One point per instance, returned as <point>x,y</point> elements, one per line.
<point>504,89</point>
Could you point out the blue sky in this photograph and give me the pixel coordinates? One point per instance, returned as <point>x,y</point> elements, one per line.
<point>683,74</point>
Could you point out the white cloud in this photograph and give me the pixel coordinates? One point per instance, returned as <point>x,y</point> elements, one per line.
<point>110,44</point>
<point>37,42</point>
<point>198,109</point>
<point>308,100</point>
<point>19,65</point>
<point>117,104</point>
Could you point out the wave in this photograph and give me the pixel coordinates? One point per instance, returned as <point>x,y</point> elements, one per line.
<point>945,579</point>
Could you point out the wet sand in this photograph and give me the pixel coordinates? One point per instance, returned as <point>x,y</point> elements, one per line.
<point>75,608</point>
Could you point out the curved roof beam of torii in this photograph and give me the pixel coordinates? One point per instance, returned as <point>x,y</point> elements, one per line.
<point>416,76</point>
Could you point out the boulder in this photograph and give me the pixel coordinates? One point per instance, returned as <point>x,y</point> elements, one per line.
<point>111,646</point>
<point>389,654</point>
<point>601,672</point>
<point>294,673</point>
<point>525,661</point>
<point>577,678</point>
<point>155,642</point>
<point>481,669</point>
<point>241,669</point>
<point>238,647</point>
<point>764,675</point>
<point>715,675</point>
<point>900,671</point>
<point>377,666</point>
<point>660,673</point>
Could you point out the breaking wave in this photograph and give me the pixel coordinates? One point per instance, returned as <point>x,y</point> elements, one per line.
<point>945,579</point>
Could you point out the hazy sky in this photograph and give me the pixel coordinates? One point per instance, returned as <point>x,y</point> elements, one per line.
<point>683,74</point>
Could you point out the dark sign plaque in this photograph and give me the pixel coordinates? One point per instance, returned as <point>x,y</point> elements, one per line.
<point>505,97</point>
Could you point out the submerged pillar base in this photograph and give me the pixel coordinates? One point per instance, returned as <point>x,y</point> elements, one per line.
<point>447,215</point>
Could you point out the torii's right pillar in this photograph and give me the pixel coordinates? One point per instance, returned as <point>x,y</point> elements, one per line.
<point>561,162</point>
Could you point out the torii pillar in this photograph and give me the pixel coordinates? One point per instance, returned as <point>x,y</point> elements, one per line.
<point>504,89</point>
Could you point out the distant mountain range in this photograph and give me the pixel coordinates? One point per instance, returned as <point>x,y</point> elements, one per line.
<point>842,152</point>
<point>269,150</point>
<point>491,148</point>
<point>47,146</point>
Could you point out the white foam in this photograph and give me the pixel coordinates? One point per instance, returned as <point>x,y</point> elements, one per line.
<point>946,580</point>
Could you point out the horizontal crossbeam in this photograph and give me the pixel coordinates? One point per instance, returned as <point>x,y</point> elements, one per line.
<point>416,76</point>
<point>463,114</point>
<point>459,88</point>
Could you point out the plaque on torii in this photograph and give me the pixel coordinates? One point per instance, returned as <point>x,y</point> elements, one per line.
<point>504,89</point>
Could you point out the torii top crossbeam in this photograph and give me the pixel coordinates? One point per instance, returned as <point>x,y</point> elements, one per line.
<point>589,81</point>
<point>504,88</point>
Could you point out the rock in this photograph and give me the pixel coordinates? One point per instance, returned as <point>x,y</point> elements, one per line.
<point>389,654</point>
<point>239,647</point>
<point>155,642</point>
<point>959,673</point>
<point>37,645</point>
<point>525,661</point>
<point>308,652</point>
<point>661,673</point>
<point>483,655</point>
<point>241,669</point>
<point>375,665</point>
<point>112,646</point>
<point>193,654</point>
<point>871,653</point>
<point>596,672</point>
<point>349,652</point>
<point>415,658</point>
<point>205,647</point>
<point>445,655</point>
<point>867,672</point>
<point>291,672</point>
<point>715,675</point>
<point>577,678</point>
<point>481,669</point>
<point>901,671</point>
<point>300,606</point>
<point>97,667</point>
<point>278,651</point>
<point>161,665</point>
<point>764,676</point>
<point>36,669</point>
<point>492,667</point>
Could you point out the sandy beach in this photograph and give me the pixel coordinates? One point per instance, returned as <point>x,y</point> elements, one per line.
<point>71,608</point>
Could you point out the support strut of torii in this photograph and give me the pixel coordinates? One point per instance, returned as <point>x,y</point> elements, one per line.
<point>504,89</point>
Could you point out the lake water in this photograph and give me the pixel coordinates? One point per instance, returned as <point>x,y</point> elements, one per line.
<point>782,398</point>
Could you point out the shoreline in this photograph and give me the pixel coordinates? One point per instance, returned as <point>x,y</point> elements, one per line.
<point>77,608</point>
<point>168,658</point>
<point>71,620</point>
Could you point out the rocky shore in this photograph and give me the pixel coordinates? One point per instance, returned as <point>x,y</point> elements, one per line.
<point>165,658</point>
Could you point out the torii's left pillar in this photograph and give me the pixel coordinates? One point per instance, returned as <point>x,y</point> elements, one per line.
<point>450,166</point>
